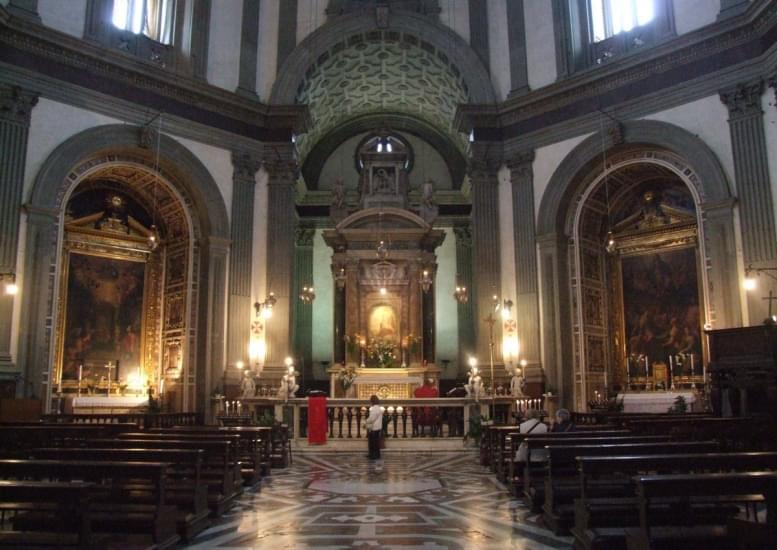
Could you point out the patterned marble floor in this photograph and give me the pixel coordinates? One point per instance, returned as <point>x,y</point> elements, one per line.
<point>406,500</point>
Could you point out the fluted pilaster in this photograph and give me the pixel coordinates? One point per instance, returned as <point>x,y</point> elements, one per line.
<point>466,311</point>
<point>303,313</point>
<point>527,305</point>
<point>15,108</point>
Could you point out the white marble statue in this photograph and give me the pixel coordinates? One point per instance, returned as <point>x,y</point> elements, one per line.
<point>517,383</point>
<point>289,384</point>
<point>247,386</point>
<point>474,384</point>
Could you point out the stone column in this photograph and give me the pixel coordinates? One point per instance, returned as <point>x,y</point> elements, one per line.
<point>287,36</point>
<point>751,171</point>
<point>352,310</point>
<point>516,42</point>
<point>478,30</point>
<point>303,313</point>
<point>245,166</point>
<point>466,311</point>
<point>210,368</point>
<point>483,169</point>
<point>527,310</point>
<point>281,221</point>
<point>15,108</point>
<point>724,283</point>
<point>249,42</point>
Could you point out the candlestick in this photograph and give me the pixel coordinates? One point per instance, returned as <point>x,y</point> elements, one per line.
<point>671,370</point>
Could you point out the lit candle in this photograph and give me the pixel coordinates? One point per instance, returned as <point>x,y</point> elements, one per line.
<point>80,372</point>
<point>647,373</point>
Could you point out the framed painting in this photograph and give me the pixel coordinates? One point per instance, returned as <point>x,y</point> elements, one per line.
<point>661,306</point>
<point>104,307</point>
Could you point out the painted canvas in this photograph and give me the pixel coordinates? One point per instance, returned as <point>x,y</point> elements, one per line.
<point>103,316</point>
<point>661,304</point>
<point>383,324</point>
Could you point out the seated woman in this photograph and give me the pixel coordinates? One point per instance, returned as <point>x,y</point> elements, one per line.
<point>532,425</point>
<point>563,422</point>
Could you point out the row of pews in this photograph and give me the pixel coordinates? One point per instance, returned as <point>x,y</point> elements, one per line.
<point>634,483</point>
<point>112,485</point>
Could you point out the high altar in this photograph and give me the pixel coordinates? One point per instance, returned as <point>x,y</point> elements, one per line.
<point>384,265</point>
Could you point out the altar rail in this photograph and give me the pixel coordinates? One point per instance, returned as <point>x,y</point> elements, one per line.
<point>141,420</point>
<point>402,418</point>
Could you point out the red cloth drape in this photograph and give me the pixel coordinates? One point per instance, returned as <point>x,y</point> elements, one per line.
<point>317,421</point>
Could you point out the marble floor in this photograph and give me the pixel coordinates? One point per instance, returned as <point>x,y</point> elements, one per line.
<point>407,500</point>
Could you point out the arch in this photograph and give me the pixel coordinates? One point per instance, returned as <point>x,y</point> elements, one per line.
<point>563,186</point>
<point>309,51</point>
<point>63,170</point>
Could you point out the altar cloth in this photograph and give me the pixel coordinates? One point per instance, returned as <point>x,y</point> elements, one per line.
<point>654,402</point>
<point>317,419</point>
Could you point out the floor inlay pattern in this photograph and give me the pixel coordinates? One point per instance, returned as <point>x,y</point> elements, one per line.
<point>407,500</point>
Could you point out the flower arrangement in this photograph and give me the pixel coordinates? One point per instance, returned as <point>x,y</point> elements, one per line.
<point>382,352</point>
<point>347,376</point>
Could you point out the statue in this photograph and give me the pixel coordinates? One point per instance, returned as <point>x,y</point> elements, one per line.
<point>247,386</point>
<point>428,209</point>
<point>517,383</point>
<point>474,384</point>
<point>289,384</point>
<point>338,193</point>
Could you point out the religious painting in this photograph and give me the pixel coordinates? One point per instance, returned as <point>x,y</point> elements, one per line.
<point>103,316</point>
<point>383,324</point>
<point>661,309</point>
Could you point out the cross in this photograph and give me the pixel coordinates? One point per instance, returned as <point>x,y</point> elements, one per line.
<point>771,298</point>
<point>109,366</point>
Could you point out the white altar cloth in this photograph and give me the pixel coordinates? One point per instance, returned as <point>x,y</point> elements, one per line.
<point>654,402</point>
<point>112,402</point>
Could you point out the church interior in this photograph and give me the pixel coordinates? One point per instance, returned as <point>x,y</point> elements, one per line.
<point>523,252</point>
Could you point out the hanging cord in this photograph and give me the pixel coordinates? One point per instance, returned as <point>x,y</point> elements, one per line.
<point>610,241</point>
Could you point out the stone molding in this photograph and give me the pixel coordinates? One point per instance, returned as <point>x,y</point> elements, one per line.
<point>16,104</point>
<point>744,99</point>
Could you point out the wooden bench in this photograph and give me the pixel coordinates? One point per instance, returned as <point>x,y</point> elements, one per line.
<point>514,478</point>
<point>255,446</point>
<point>67,503</point>
<point>185,488</point>
<point>535,469</point>
<point>15,440</point>
<point>602,516</point>
<point>562,480</point>
<point>685,489</point>
<point>128,498</point>
<point>220,468</point>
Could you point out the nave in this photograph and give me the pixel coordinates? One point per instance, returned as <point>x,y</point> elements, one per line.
<point>406,500</point>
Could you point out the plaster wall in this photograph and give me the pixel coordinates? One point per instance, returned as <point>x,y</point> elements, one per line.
<point>546,160</point>
<point>311,14</point>
<point>219,164</point>
<point>454,14</point>
<point>690,15</point>
<point>708,119</point>
<point>259,246</point>
<point>498,48</point>
<point>770,130</point>
<point>323,306</point>
<point>506,235</point>
<point>68,17</point>
<point>447,322</point>
<point>267,57</point>
<point>540,46</point>
<point>224,45</point>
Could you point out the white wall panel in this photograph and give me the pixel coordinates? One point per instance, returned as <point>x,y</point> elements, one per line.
<point>311,14</point>
<point>546,161</point>
<point>540,45</point>
<point>446,309</point>
<point>219,164</point>
<point>224,46</point>
<point>267,57</point>
<point>770,126</point>
<point>690,15</point>
<point>323,306</point>
<point>507,240</point>
<point>65,16</point>
<point>498,49</point>
<point>454,14</point>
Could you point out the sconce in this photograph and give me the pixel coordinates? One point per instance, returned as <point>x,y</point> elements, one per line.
<point>750,282</point>
<point>307,295</point>
<point>340,278</point>
<point>505,307</point>
<point>265,308</point>
<point>11,288</point>
<point>460,294</point>
<point>426,279</point>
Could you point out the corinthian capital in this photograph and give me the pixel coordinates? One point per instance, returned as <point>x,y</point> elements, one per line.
<point>744,99</point>
<point>280,162</point>
<point>245,165</point>
<point>521,165</point>
<point>16,104</point>
<point>485,160</point>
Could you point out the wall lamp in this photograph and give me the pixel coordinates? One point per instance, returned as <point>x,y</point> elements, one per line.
<point>751,282</point>
<point>11,288</point>
<point>504,307</point>
<point>264,309</point>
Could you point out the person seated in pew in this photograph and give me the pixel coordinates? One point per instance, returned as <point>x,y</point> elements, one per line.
<point>563,422</point>
<point>532,425</point>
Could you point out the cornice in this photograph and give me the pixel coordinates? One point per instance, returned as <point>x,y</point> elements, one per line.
<point>687,50</point>
<point>23,43</point>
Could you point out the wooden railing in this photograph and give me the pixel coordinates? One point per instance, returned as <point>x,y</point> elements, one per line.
<point>143,421</point>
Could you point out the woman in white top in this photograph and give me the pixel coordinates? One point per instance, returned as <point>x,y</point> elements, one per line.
<point>533,425</point>
<point>374,425</point>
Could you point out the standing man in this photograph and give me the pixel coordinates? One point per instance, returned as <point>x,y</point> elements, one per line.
<point>374,428</point>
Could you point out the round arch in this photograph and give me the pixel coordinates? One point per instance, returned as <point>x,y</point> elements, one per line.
<point>64,169</point>
<point>699,169</point>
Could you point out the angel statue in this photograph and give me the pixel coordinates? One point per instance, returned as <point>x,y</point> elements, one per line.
<point>247,385</point>
<point>474,384</point>
<point>289,384</point>
<point>517,383</point>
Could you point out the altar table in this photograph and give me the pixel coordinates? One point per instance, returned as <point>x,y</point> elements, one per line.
<point>654,402</point>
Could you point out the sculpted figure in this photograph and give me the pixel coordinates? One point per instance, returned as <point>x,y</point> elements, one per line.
<point>517,383</point>
<point>247,386</point>
<point>338,193</point>
<point>474,384</point>
<point>289,384</point>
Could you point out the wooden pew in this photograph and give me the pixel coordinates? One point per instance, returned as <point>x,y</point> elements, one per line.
<point>534,472</point>
<point>255,446</point>
<point>220,468</point>
<point>16,440</point>
<point>601,517</point>
<point>67,504</point>
<point>186,488</point>
<point>128,498</point>
<point>685,490</point>
<point>514,478</point>
<point>562,480</point>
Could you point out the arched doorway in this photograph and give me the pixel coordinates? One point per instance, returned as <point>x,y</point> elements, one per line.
<point>96,203</point>
<point>580,345</point>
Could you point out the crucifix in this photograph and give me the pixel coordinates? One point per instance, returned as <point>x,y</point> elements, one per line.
<point>769,319</point>
<point>109,367</point>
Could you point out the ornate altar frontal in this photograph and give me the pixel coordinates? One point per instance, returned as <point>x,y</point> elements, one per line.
<point>388,383</point>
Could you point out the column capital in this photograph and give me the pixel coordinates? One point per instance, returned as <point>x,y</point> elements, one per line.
<point>279,161</point>
<point>16,104</point>
<point>303,236</point>
<point>245,166</point>
<point>486,158</point>
<point>521,165</point>
<point>743,99</point>
<point>463,234</point>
